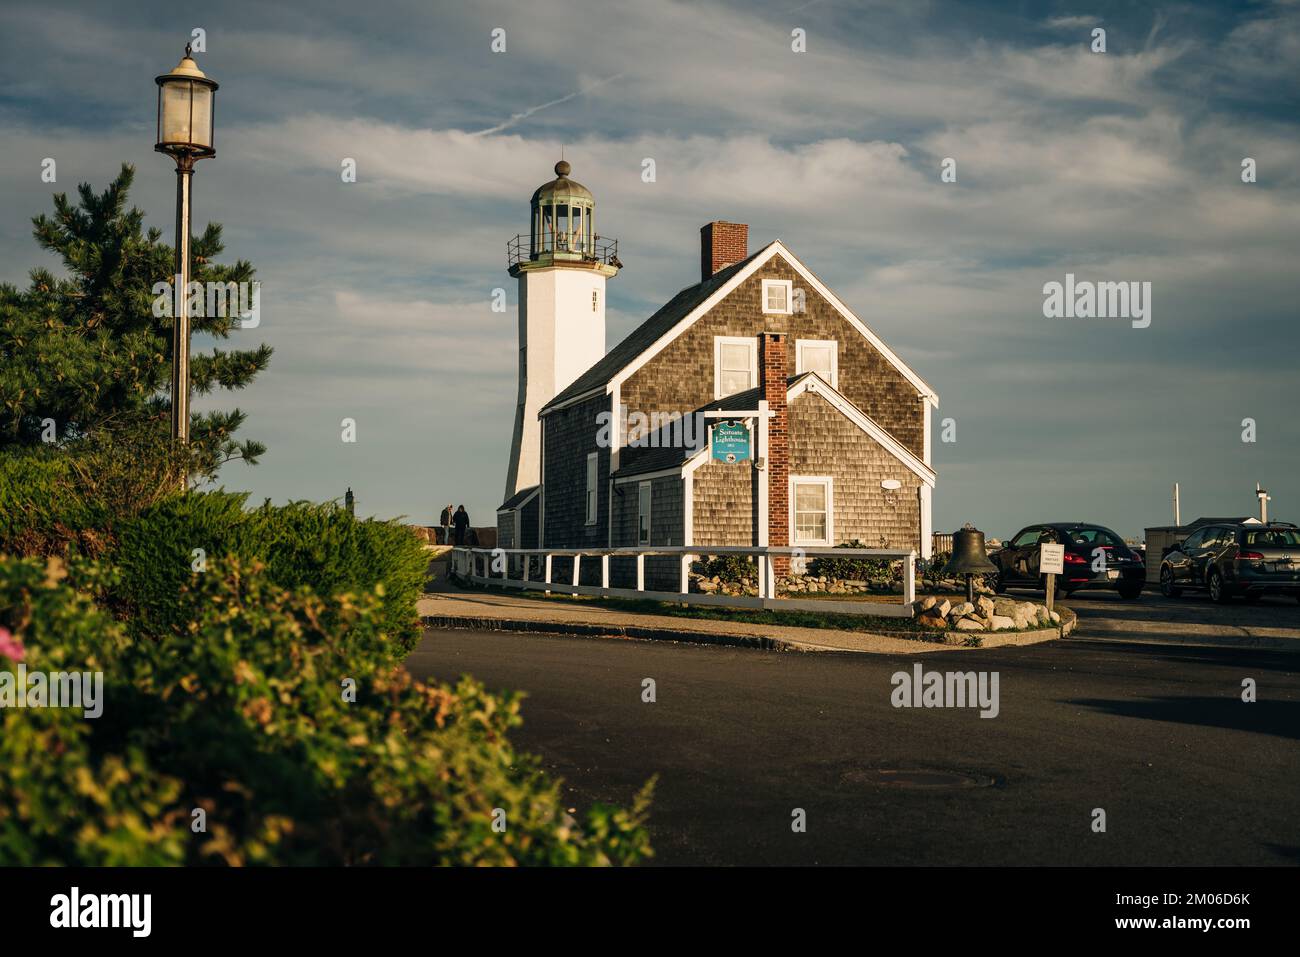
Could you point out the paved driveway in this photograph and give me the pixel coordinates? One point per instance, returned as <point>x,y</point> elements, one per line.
<point>1272,622</point>
<point>1158,736</point>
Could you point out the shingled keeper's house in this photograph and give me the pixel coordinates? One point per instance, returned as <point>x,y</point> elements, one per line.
<point>622,447</point>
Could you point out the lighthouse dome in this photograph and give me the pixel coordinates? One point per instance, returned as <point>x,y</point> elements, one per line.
<point>562,189</point>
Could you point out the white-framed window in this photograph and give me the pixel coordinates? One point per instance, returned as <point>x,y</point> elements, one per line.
<point>818,355</point>
<point>777,294</point>
<point>812,507</point>
<point>593,479</point>
<point>735,365</point>
<point>643,513</point>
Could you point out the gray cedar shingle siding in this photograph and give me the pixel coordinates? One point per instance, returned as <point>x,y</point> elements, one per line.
<point>681,376</point>
<point>726,499</point>
<point>826,443</point>
<point>568,436</point>
<point>662,573</point>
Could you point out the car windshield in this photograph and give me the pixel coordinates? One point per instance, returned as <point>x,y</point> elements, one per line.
<point>1274,538</point>
<point>1092,535</point>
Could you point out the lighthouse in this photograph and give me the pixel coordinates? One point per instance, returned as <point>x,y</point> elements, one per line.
<point>562,265</point>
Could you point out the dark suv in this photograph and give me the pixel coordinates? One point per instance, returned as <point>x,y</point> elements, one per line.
<point>1250,560</point>
<point>1095,557</point>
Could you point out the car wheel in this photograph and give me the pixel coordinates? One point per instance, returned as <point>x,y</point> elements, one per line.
<point>1218,592</point>
<point>1000,586</point>
<point>1129,592</point>
<point>1167,586</point>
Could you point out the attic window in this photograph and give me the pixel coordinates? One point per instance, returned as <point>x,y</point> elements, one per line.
<point>777,295</point>
<point>820,356</point>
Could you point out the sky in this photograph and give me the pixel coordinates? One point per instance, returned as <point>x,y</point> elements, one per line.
<point>1123,165</point>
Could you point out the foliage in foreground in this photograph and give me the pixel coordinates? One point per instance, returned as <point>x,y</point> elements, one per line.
<point>301,544</point>
<point>245,719</point>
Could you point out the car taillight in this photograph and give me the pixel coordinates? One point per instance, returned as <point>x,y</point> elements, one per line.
<point>1073,559</point>
<point>1250,557</point>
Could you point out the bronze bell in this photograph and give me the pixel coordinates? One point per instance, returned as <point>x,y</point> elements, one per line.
<point>968,558</point>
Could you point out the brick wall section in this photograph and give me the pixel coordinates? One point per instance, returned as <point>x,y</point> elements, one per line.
<point>681,376</point>
<point>568,435</point>
<point>778,447</point>
<point>826,443</point>
<point>722,244</point>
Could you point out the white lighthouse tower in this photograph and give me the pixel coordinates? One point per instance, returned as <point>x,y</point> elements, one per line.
<point>561,266</point>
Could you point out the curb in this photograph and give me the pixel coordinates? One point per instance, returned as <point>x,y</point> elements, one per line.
<point>474,623</point>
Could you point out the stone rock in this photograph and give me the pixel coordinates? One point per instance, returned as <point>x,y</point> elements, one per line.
<point>969,624</point>
<point>1002,622</point>
<point>985,606</point>
<point>1044,617</point>
<point>928,602</point>
<point>1056,618</point>
<point>943,608</point>
<point>1004,607</point>
<point>962,610</point>
<point>932,621</point>
<point>1029,609</point>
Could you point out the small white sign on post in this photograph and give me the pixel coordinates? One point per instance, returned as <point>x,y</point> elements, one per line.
<point>1051,559</point>
<point>1051,562</point>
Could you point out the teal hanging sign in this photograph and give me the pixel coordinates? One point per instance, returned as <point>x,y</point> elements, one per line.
<point>730,441</point>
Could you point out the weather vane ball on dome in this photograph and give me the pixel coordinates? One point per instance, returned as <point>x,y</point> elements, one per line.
<point>562,168</point>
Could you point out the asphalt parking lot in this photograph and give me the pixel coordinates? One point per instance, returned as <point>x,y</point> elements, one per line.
<point>1271,622</point>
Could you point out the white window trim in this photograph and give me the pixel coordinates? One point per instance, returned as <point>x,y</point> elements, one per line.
<point>649,511</point>
<point>789,296</point>
<point>749,342</point>
<point>593,487</point>
<point>835,357</point>
<point>827,481</point>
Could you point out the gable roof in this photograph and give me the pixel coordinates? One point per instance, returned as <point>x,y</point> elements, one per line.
<point>649,332</point>
<point>519,498</point>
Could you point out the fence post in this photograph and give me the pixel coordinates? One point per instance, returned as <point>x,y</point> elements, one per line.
<point>686,573</point>
<point>604,572</point>
<point>909,578</point>
<point>762,574</point>
<point>548,572</point>
<point>640,571</point>
<point>528,563</point>
<point>577,569</point>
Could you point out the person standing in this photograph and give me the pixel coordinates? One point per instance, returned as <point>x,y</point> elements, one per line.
<point>445,521</point>
<point>461,520</point>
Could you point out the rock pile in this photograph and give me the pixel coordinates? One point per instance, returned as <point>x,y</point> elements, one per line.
<point>984,614</point>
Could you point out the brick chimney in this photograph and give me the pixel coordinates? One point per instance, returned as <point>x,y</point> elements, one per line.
<point>778,448</point>
<point>721,245</point>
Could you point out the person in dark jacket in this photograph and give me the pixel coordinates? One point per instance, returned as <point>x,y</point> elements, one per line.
<point>445,521</point>
<point>461,521</point>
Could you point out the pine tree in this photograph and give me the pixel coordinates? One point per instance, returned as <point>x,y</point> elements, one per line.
<point>88,353</point>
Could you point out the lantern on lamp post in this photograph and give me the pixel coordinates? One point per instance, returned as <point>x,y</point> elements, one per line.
<point>185,110</point>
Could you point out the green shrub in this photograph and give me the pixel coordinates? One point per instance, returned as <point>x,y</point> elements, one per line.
<point>875,571</point>
<point>732,569</point>
<point>245,718</point>
<point>301,544</point>
<point>68,499</point>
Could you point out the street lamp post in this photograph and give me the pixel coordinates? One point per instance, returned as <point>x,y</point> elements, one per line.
<point>185,110</point>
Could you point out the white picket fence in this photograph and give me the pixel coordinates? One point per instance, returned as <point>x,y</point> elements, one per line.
<point>493,566</point>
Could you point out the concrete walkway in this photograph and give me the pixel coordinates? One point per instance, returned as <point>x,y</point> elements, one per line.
<point>498,610</point>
